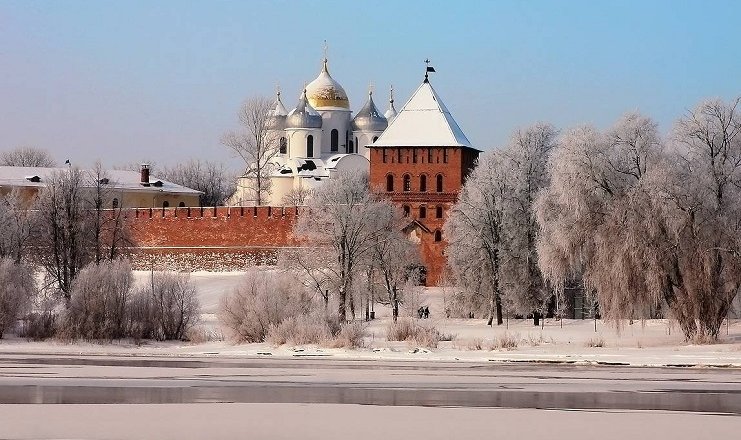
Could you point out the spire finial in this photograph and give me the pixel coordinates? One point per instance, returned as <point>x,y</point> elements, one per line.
<point>326,58</point>
<point>428,69</point>
<point>370,88</point>
<point>391,99</point>
<point>277,90</point>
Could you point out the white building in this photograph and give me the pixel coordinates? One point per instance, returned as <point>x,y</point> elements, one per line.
<point>319,138</point>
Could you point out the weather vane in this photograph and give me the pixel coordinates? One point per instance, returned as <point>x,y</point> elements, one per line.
<point>428,69</point>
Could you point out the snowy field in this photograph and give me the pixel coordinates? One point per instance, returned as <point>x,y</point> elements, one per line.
<point>654,342</point>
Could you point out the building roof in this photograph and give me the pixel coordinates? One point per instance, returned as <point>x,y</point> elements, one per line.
<point>369,118</point>
<point>424,121</point>
<point>118,179</point>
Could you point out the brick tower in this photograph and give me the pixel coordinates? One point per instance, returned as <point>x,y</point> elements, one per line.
<point>420,162</point>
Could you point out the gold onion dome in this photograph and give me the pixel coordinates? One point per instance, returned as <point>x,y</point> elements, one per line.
<point>369,118</point>
<point>325,92</point>
<point>304,115</point>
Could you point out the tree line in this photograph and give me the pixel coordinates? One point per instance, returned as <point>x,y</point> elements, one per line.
<point>643,222</point>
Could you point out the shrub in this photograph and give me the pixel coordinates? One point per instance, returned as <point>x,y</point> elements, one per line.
<point>141,317</point>
<point>17,290</point>
<point>407,329</point>
<point>262,300</point>
<point>595,342</point>
<point>174,307</point>
<point>299,330</point>
<point>351,335</point>
<point>506,342</point>
<point>98,302</point>
<point>38,326</point>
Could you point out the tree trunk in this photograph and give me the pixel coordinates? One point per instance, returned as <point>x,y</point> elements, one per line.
<point>536,319</point>
<point>500,319</point>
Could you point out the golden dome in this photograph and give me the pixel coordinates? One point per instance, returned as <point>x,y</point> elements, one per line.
<point>325,92</point>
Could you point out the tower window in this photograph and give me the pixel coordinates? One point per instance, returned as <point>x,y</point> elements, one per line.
<point>439,183</point>
<point>438,236</point>
<point>406,210</point>
<point>429,155</point>
<point>335,139</point>
<point>165,204</point>
<point>181,205</point>
<point>309,146</point>
<point>283,145</point>
<point>439,212</point>
<point>422,212</point>
<point>414,155</point>
<point>115,203</point>
<point>398,155</point>
<point>389,182</point>
<point>357,145</point>
<point>407,182</point>
<point>445,155</point>
<point>384,155</point>
<point>423,183</point>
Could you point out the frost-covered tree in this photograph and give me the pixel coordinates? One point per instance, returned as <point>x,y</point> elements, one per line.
<point>643,226</point>
<point>257,144</point>
<point>17,290</point>
<point>394,259</point>
<point>345,220</point>
<point>214,181</point>
<point>702,208</point>
<point>527,159</point>
<point>16,225</point>
<point>27,157</point>
<point>72,227</point>
<point>475,230</point>
<point>492,229</point>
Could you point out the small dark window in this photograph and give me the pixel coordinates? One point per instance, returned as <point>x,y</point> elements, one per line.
<point>439,212</point>
<point>439,183</point>
<point>310,146</point>
<point>398,155</point>
<point>407,182</point>
<point>390,182</point>
<point>165,204</point>
<point>423,183</point>
<point>438,236</point>
<point>445,155</point>
<point>406,210</point>
<point>335,140</point>
<point>115,203</point>
<point>384,155</point>
<point>356,144</point>
<point>181,205</point>
<point>422,212</point>
<point>429,155</point>
<point>283,145</point>
<point>414,155</point>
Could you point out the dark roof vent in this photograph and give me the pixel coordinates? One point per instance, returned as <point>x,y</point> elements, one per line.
<point>34,179</point>
<point>157,183</point>
<point>308,165</point>
<point>104,181</point>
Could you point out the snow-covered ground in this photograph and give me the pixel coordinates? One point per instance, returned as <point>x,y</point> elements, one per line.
<point>654,342</point>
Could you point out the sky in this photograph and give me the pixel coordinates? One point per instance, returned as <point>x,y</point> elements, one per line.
<point>161,81</point>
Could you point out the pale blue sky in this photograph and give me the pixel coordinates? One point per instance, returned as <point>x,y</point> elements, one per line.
<point>123,81</point>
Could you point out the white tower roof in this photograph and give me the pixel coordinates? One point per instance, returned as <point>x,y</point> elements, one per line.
<point>424,121</point>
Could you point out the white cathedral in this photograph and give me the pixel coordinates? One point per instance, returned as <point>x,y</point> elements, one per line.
<point>318,139</point>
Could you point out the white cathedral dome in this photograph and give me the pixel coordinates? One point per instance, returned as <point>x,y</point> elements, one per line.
<point>325,92</point>
<point>369,118</point>
<point>304,115</point>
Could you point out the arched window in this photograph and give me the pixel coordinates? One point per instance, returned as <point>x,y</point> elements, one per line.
<point>115,203</point>
<point>438,235</point>
<point>181,205</point>
<point>165,204</point>
<point>390,182</point>
<point>407,182</point>
<point>423,183</point>
<point>407,210</point>
<point>283,145</point>
<point>357,145</point>
<point>335,140</point>
<point>422,212</point>
<point>309,146</point>
<point>439,212</point>
<point>439,183</point>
